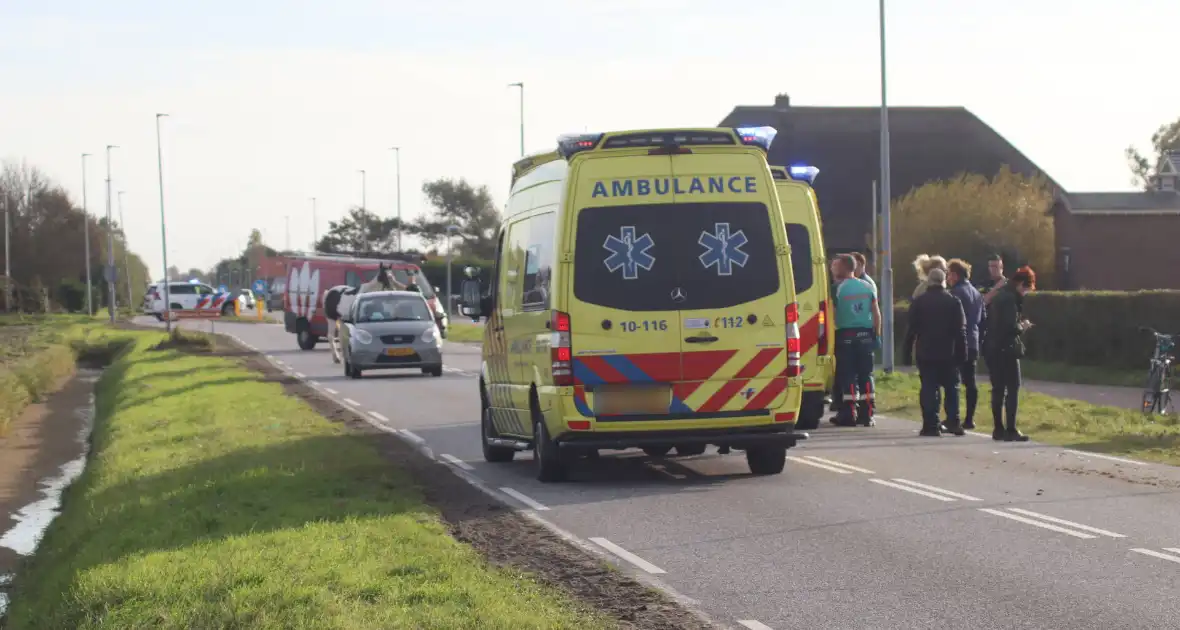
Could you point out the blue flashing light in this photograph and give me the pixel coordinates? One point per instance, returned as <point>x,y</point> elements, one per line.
<point>194,281</point>
<point>804,173</point>
<point>758,136</point>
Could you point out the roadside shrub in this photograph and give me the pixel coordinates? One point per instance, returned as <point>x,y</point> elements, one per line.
<point>1095,328</point>
<point>29,378</point>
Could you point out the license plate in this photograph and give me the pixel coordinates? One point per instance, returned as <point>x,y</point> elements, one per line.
<point>623,401</point>
<point>398,352</point>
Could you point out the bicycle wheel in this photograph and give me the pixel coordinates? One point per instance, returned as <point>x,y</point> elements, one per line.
<point>1153,392</point>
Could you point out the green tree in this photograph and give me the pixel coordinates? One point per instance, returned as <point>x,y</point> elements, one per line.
<point>471,210</point>
<point>1144,167</point>
<point>360,231</point>
<point>970,217</point>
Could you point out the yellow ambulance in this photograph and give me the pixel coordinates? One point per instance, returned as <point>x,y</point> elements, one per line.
<point>809,263</point>
<point>641,296</point>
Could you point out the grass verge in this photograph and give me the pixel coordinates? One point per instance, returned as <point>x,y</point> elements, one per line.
<point>1053,420</point>
<point>213,500</point>
<point>465,332</point>
<point>36,353</point>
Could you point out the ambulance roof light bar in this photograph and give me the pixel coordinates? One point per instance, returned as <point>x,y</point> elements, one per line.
<point>804,173</point>
<point>569,144</point>
<point>760,137</point>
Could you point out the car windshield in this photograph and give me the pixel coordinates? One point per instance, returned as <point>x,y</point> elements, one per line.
<point>388,308</point>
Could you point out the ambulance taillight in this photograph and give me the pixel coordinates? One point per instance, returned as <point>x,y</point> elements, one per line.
<point>560,352</point>
<point>823,329</point>
<point>794,345</point>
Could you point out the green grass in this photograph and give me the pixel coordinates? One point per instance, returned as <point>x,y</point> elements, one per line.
<point>464,331</point>
<point>36,353</point>
<point>212,500</point>
<point>1058,421</point>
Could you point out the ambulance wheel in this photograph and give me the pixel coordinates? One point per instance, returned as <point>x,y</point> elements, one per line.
<point>658,450</point>
<point>811,412</point>
<point>550,464</point>
<point>493,454</point>
<point>766,460</point>
<point>690,449</point>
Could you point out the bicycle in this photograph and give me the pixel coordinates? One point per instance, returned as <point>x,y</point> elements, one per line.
<point>1157,396</point>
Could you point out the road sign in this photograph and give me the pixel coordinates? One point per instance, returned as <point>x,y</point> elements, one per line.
<point>110,273</point>
<point>260,286</point>
<point>223,289</point>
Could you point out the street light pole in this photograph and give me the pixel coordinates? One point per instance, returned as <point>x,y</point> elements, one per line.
<point>315,236</point>
<point>397,169</point>
<point>7,255</point>
<point>86,236</point>
<point>163,229</point>
<point>126,258</point>
<point>520,85</point>
<point>451,229</point>
<point>886,300</point>
<point>110,242</point>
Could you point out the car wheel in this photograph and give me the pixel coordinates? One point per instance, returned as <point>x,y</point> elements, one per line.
<point>548,460</point>
<point>690,449</point>
<point>493,454</point>
<point>766,460</point>
<point>306,340</point>
<point>433,371</point>
<point>658,450</point>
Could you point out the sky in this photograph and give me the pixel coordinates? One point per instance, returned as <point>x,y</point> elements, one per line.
<point>273,102</point>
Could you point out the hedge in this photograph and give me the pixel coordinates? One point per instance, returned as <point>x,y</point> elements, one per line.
<point>1095,328</point>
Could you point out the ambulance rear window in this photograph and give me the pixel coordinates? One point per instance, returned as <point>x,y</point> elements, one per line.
<point>676,256</point>
<point>800,239</point>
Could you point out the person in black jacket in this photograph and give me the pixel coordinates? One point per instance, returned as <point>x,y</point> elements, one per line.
<point>938,327</point>
<point>1003,349</point>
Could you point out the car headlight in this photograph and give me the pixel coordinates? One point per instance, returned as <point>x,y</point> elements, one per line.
<point>430,335</point>
<point>362,336</point>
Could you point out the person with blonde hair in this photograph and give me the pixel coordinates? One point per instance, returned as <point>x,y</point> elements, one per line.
<point>923,265</point>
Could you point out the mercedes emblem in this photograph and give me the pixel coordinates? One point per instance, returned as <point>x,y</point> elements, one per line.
<point>678,295</point>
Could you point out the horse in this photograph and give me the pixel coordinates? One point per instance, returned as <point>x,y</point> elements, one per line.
<point>338,300</point>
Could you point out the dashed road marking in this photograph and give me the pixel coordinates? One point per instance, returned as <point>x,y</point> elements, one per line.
<point>800,460</point>
<point>1061,521</point>
<point>627,555</point>
<point>754,624</point>
<point>965,497</point>
<point>331,391</point>
<point>839,464</point>
<point>352,402</point>
<point>456,461</point>
<point>298,375</point>
<point>899,486</point>
<point>527,500</point>
<point>1042,525</point>
<point>1112,458</point>
<point>1156,554</point>
<point>379,417</point>
<point>413,437</point>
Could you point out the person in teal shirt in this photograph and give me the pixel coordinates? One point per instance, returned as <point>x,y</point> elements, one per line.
<point>858,328</point>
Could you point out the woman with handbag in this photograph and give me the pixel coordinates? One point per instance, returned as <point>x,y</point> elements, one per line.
<point>1003,349</point>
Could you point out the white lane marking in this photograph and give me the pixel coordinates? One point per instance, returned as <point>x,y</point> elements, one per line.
<point>913,490</point>
<point>965,497</point>
<point>754,624</point>
<point>527,500</point>
<point>298,375</point>
<point>800,460</point>
<point>1061,521</point>
<point>1109,457</point>
<point>839,464</point>
<point>1156,554</point>
<point>413,437</point>
<point>331,391</point>
<point>379,417</point>
<point>1029,521</point>
<point>316,383</point>
<point>352,402</point>
<point>1172,549</point>
<point>456,461</point>
<point>627,555</point>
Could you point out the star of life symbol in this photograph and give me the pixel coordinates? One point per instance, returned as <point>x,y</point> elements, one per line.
<point>629,253</point>
<point>724,249</point>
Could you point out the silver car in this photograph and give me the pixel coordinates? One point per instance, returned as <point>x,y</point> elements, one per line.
<point>391,330</point>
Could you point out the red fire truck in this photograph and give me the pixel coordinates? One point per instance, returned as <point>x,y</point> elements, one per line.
<point>309,275</point>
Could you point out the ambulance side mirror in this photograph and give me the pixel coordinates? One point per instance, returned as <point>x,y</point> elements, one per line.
<point>471,301</point>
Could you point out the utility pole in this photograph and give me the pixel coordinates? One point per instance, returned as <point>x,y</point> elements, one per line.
<point>520,84</point>
<point>163,229</point>
<point>397,167</point>
<point>110,242</point>
<point>315,236</point>
<point>7,255</point>
<point>86,236</point>
<point>886,297</point>
<point>126,258</point>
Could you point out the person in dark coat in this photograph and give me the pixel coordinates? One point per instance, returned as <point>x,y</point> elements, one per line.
<point>1003,349</point>
<point>959,279</point>
<point>938,329</point>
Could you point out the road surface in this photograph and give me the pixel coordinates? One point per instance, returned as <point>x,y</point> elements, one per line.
<point>867,528</point>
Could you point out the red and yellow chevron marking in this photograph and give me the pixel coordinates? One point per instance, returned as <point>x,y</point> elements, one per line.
<point>743,372</point>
